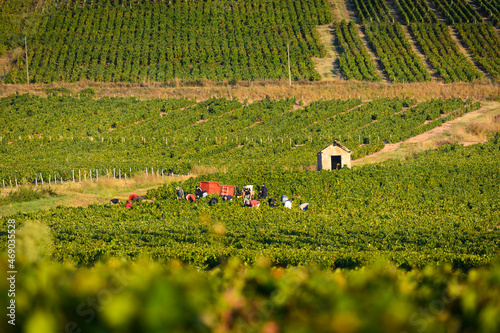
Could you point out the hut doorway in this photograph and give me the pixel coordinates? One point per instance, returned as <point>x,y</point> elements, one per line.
<point>336,162</point>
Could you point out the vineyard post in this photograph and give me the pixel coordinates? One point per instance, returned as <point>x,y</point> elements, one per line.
<point>107,173</point>
<point>27,70</point>
<point>289,72</point>
<point>3,182</point>
<point>10,182</point>
<point>36,181</point>
<point>61,180</point>
<point>97,174</point>
<point>85,176</point>
<point>49,180</point>
<point>73,176</point>
<point>162,172</point>
<point>79,176</point>
<point>41,178</point>
<point>90,174</point>
<point>16,182</point>
<point>146,172</point>
<point>114,173</point>
<point>119,174</point>
<point>55,179</point>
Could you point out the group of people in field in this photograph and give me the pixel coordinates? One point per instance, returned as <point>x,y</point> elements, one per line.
<point>132,199</point>
<point>248,195</point>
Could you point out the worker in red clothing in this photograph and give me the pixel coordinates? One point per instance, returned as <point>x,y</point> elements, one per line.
<point>252,203</point>
<point>128,205</point>
<point>131,197</point>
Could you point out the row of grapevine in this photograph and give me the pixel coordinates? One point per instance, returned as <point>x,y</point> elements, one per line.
<point>42,135</point>
<point>443,53</point>
<point>158,42</point>
<point>484,44</point>
<point>492,8</point>
<point>355,61</point>
<point>371,11</point>
<point>400,63</point>
<point>416,11</point>
<point>458,11</point>
<point>356,216</point>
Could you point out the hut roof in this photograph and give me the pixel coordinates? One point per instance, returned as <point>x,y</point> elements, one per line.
<point>338,144</point>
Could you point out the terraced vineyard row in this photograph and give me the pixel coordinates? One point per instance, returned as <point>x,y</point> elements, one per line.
<point>458,11</point>
<point>57,135</point>
<point>484,44</point>
<point>159,41</point>
<point>443,53</point>
<point>416,11</point>
<point>492,8</point>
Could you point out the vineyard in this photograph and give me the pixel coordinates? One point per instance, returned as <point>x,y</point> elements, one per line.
<point>355,62</point>
<point>187,40</point>
<point>141,42</point>
<point>440,207</point>
<point>59,136</point>
<point>443,53</point>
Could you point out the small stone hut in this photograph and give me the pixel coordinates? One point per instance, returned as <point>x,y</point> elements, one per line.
<point>335,156</point>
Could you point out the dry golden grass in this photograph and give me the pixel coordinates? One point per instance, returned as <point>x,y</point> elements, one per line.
<point>306,91</point>
<point>84,193</point>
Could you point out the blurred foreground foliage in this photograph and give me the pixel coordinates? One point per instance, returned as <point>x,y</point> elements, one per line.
<point>144,296</point>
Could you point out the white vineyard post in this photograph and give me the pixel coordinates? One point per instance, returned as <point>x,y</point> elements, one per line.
<point>90,174</point>
<point>79,176</point>
<point>36,181</point>
<point>41,178</point>
<point>16,183</point>
<point>49,180</point>
<point>55,179</point>
<point>114,173</point>
<point>73,176</point>
<point>97,174</point>
<point>120,174</point>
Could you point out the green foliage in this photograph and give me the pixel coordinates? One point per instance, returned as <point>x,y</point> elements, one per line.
<point>26,194</point>
<point>440,207</point>
<point>443,53</point>
<point>416,11</point>
<point>484,44</point>
<point>158,41</point>
<point>156,297</point>
<point>458,11</point>
<point>400,63</point>
<point>355,62</point>
<point>492,8</point>
<point>62,136</point>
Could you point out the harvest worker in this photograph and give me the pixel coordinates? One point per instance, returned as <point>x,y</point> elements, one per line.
<point>190,198</point>
<point>304,206</point>
<point>272,202</point>
<point>284,198</point>
<point>198,192</point>
<point>138,198</point>
<point>288,204</point>
<point>252,203</point>
<point>129,204</point>
<point>263,191</point>
<point>227,197</point>
<point>114,201</point>
<point>131,197</point>
<point>180,193</point>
